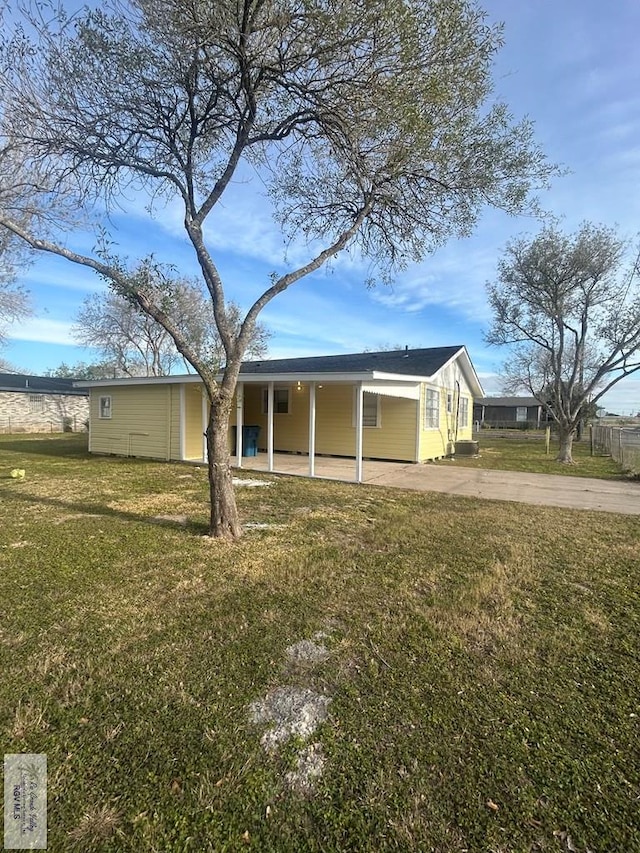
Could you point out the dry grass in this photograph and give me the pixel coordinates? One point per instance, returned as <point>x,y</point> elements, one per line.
<point>97,824</point>
<point>28,721</point>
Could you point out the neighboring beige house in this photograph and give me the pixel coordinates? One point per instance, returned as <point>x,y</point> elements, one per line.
<point>409,405</point>
<point>41,404</point>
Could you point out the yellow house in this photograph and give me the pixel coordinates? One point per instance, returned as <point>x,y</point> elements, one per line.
<point>405,405</point>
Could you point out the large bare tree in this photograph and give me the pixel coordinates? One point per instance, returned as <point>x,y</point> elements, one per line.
<point>371,124</point>
<point>568,307</point>
<point>137,345</point>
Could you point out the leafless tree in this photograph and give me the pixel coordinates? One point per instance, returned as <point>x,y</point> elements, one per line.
<point>370,123</point>
<point>137,345</point>
<point>568,307</point>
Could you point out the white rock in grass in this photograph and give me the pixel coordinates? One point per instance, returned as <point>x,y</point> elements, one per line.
<point>290,711</point>
<point>18,474</point>
<point>239,481</point>
<point>307,652</point>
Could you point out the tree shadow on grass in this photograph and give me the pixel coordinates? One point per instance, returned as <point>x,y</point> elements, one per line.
<point>55,445</point>
<point>89,509</point>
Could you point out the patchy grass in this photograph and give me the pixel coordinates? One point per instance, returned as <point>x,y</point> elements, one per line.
<point>512,454</point>
<point>482,668</point>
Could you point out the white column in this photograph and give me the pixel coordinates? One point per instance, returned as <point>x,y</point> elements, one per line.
<point>239,421</point>
<point>270,427</point>
<point>205,422</point>
<point>183,424</point>
<point>359,407</point>
<point>312,429</point>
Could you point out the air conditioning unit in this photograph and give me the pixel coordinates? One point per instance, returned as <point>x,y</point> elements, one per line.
<point>467,448</point>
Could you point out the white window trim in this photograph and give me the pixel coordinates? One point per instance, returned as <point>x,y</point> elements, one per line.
<point>464,401</point>
<point>436,391</point>
<point>265,396</point>
<point>378,423</point>
<point>101,414</point>
<point>519,410</point>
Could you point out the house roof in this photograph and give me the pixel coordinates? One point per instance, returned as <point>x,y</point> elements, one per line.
<point>407,362</point>
<point>507,401</point>
<point>387,366</point>
<point>22,382</point>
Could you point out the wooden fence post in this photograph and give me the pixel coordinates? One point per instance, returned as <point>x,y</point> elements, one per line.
<point>547,440</point>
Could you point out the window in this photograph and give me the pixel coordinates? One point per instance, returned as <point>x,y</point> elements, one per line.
<point>104,407</point>
<point>370,409</point>
<point>280,401</point>
<point>463,419</point>
<point>521,414</point>
<point>36,402</point>
<point>431,409</point>
<point>449,403</point>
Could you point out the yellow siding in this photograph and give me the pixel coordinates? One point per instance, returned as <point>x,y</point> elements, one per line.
<point>175,421</point>
<point>140,424</point>
<point>335,430</point>
<point>436,443</point>
<point>193,438</point>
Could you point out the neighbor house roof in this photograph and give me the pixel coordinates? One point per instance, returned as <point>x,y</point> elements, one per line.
<point>508,401</point>
<point>39,384</point>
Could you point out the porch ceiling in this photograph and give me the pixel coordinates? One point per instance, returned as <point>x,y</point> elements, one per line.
<point>407,390</point>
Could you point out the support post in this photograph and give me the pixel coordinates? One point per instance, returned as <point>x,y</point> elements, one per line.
<point>359,408</point>
<point>312,429</point>
<point>239,422</point>
<point>270,427</point>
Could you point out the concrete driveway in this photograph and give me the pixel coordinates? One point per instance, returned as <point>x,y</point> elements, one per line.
<point>541,489</point>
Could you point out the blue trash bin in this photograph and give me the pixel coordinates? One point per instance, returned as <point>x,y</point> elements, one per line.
<point>250,435</point>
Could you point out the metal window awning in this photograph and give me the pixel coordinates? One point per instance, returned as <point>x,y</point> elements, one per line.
<point>407,390</point>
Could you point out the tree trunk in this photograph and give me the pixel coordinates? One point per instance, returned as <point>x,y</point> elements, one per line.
<point>566,435</point>
<point>224,519</point>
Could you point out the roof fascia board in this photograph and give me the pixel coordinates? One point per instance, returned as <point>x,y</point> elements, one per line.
<point>257,378</point>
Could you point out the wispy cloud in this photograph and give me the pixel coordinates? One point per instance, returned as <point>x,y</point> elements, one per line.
<point>42,330</point>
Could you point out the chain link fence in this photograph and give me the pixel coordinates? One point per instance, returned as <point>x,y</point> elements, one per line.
<point>621,444</point>
<point>68,423</point>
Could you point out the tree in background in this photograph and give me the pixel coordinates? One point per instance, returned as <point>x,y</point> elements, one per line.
<point>369,123</point>
<point>8,367</point>
<point>137,345</point>
<point>14,305</point>
<point>82,370</point>
<point>568,307</point>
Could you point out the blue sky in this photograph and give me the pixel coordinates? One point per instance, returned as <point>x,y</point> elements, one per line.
<point>571,66</point>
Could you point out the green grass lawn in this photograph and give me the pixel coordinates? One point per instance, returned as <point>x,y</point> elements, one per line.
<point>512,454</point>
<point>483,666</point>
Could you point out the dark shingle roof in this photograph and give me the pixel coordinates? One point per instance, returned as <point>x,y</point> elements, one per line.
<point>39,384</point>
<point>413,362</point>
<point>507,401</point>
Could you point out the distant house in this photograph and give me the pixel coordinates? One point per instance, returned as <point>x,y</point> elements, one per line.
<point>508,412</point>
<point>410,405</point>
<point>41,404</point>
